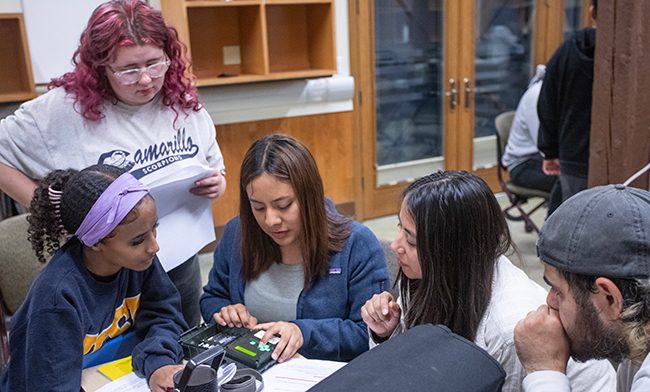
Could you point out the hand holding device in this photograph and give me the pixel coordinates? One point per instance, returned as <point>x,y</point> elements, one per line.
<point>235,316</point>
<point>162,379</point>
<point>289,342</point>
<point>243,346</point>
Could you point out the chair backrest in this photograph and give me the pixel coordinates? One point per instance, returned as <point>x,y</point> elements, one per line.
<point>503,123</point>
<point>19,265</point>
<point>391,265</point>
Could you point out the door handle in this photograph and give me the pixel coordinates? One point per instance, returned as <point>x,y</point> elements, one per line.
<point>452,94</point>
<point>468,91</point>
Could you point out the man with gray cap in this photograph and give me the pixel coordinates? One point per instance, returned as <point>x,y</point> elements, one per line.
<point>596,254</point>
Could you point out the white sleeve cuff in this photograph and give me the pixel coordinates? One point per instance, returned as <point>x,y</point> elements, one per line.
<point>546,381</point>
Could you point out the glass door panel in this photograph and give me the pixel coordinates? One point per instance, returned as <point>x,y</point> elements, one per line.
<point>409,88</point>
<point>573,22</point>
<point>503,56</point>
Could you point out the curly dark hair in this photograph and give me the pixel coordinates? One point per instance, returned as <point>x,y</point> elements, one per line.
<point>80,190</point>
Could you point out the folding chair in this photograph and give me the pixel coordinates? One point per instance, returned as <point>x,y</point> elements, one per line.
<point>19,266</point>
<point>517,195</point>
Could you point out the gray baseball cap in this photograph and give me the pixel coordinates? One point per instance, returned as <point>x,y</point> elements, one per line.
<point>602,231</point>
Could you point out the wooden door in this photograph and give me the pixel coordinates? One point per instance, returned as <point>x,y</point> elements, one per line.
<point>506,41</point>
<point>496,68</point>
<point>431,76</point>
<point>403,54</point>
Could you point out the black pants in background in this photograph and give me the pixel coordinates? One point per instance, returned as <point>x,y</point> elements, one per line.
<point>529,174</point>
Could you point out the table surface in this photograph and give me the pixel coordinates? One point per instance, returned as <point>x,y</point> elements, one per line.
<point>92,379</point>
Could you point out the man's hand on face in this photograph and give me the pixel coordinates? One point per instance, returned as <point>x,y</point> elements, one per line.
<point>541,341</point>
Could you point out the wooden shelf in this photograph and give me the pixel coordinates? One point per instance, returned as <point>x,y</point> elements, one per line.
<point>314,73</point>
<point>243,41</point>
<point>300,37</point>
<point>16,78</point>
<point>220,3</point>
<point>294,2</point>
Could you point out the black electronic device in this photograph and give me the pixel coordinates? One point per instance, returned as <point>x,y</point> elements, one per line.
<point>196,377</point>
<point>241,345</point>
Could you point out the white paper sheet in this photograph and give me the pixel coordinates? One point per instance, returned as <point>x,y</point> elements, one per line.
<point>185,220</point>
<point>294,375</point>
<point>128,383</point>
<point>298,374</point>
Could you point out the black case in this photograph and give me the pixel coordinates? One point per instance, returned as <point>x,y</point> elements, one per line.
<point>424,358</point>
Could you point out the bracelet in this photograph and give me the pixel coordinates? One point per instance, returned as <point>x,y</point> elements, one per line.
<point>378,339</point>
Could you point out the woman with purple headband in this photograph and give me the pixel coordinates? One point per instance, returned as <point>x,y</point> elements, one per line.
<point>129,102</point>
<point>104,281</point>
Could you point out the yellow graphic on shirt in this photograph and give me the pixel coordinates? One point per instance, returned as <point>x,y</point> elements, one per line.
<point>122,320</point>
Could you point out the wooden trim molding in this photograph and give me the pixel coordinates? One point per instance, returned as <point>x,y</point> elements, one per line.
<point>328,137</point>
<point>620,142</point>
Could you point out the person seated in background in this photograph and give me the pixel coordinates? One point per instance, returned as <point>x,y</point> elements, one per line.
<point>453,272</point>
<point>289,263</point>
<point>521,156</point>
<point>595,249</point>
<point>103,282</point>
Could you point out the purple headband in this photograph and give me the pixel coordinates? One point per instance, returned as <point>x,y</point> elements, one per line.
<point>111,207</point>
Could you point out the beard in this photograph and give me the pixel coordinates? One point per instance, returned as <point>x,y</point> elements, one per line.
<point>590,338</point>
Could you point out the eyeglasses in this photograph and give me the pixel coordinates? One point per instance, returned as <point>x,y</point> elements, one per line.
<point>131,76</point>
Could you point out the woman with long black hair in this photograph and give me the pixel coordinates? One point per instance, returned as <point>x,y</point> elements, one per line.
<point>453,271</point>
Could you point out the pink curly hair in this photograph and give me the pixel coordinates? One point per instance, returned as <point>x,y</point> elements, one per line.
<point>115,24</point>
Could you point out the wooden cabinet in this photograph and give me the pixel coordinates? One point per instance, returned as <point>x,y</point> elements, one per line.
<point>243,41</point>
<point>16,78</point>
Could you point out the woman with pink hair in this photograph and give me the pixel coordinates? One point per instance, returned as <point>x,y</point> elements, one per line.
<point>129,102</point>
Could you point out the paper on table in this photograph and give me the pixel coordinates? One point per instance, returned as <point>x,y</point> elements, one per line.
<point>128,383</point>
<point>298,374</point>
<point>117,369</point>
<point>185,220</point>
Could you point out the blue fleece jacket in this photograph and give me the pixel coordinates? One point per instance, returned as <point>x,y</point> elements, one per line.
<point>329,312</point>
<point>68,313</point>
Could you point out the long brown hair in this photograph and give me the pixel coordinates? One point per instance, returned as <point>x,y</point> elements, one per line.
<point>460,232</point>
<point>323,232</point>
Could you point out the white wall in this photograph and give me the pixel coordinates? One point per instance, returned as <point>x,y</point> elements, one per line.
<point>10,7</point>
<point>342,37</point>
<point>53,30</point>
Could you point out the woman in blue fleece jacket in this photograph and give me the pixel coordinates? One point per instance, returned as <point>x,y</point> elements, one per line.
<point>105,281</point>
<point>290,264</point>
